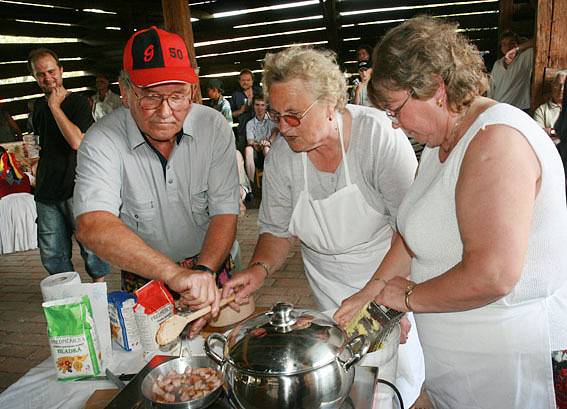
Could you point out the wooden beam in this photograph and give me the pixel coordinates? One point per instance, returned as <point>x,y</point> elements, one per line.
<point>541,51</point>
<point>558,51</point>
<point>177,19</point>
<point>29,88</point>
<point>19,52</point>
<point>214,34</point>
<point>276,41</point>
<point>505,16</point>
<point>330,16</point>
<point>350,6</point>
<point>405,14</point>
<point>550,53</point>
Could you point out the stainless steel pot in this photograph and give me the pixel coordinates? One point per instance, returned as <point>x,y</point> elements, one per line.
<point>287,358</point>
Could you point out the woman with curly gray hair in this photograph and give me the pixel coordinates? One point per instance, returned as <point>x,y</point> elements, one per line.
<point>481,231</point>
<point>334,180</point>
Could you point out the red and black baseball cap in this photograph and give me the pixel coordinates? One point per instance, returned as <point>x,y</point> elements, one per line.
<point>154,57</point>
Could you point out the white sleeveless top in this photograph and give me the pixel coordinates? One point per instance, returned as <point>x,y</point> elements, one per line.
<point>427,218</point>
<point>512,338</point>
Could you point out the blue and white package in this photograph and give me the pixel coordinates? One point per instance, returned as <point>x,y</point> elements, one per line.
<point>123,327</point>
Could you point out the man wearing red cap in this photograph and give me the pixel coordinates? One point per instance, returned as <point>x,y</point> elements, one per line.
<point>157,183</point>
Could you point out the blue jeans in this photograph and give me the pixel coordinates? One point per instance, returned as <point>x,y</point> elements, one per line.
<point>55,228</point>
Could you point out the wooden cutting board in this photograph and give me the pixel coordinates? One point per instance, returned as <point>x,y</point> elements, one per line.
<point>100,398</point>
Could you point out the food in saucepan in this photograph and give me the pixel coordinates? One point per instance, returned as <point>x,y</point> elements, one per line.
<point>193,383</point>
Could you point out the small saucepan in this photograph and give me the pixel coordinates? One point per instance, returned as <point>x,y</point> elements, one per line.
<point>179,365</point>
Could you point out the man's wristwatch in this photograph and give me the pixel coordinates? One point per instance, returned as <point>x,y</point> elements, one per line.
<point>201,267</point>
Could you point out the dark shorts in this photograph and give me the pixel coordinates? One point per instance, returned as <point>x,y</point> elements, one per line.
<point>131,282</point>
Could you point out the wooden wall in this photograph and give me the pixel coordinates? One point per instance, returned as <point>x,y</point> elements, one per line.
<point>340,25</point>
<point>550,47</point>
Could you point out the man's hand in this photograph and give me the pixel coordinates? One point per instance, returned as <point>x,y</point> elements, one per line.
<point>56,97</point>
<point>197,289</point>
<point>511,55</point>
<point>243,284</point>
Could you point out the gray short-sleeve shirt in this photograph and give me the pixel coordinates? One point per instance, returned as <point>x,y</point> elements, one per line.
<point>118,172</point>
<point>381,162</point>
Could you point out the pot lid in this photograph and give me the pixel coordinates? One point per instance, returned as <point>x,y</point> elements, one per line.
<point>285,341</point>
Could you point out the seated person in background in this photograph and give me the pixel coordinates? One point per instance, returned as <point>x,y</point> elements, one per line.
<point>215,90</point>
<point>547,114</point>
<point>365,71</point>
<point>157,185</point>
<point>104,101</point>
<point>9,129</point>
<point>12,179</point>
<point>260,133</point>
<point>511,75</point>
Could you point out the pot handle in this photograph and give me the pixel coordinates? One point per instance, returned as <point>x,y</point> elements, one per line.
<point>209,349</point>
<point>362,350</point>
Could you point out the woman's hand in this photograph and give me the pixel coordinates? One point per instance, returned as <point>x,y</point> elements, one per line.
<point>405,328</point>
<point>243,284</point>
<point>393,295</point>
<point>352,305</point>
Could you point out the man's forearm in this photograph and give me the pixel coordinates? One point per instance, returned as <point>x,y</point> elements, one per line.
<point>112,240</point>
<point>71,132</point>
<point>218,241</point>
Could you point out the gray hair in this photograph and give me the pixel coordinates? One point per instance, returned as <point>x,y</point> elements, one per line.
<point>124,79</point>
<point>318,68</point>
<point>558,75</point>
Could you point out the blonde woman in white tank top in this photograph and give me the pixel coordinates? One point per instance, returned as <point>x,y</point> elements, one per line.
<point>479,257</point>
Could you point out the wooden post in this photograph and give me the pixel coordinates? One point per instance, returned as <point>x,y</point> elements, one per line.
<point>550,53</point>
<point>330,15</point>
<point>505,16</point>
<point>177,19</point>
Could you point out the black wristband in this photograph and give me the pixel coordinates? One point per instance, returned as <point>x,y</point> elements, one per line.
<point>201,267</point>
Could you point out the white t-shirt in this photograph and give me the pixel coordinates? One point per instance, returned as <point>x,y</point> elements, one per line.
<point>547,114</point>
<point>101,108</point>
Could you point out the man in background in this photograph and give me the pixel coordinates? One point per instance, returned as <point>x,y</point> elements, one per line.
<point>360,92</point>
<point>241,105</point>
<point>9,129</point>
<point>260,133</point>
<point>60,119</point>
<point>104,101</point>
<point>218,102</point>
<point>510,78</point>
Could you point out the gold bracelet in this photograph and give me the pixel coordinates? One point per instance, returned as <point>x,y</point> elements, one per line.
<point>261,264</point>
<point>409,291</point>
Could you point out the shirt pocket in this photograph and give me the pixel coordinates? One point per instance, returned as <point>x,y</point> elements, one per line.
<point>140,217</point>
<point>200,207</point>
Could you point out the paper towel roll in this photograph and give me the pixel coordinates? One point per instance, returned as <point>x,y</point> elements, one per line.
<point>57,286</point>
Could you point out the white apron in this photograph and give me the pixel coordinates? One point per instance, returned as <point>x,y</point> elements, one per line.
<point>343,240</point>
<point>457,361</point>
